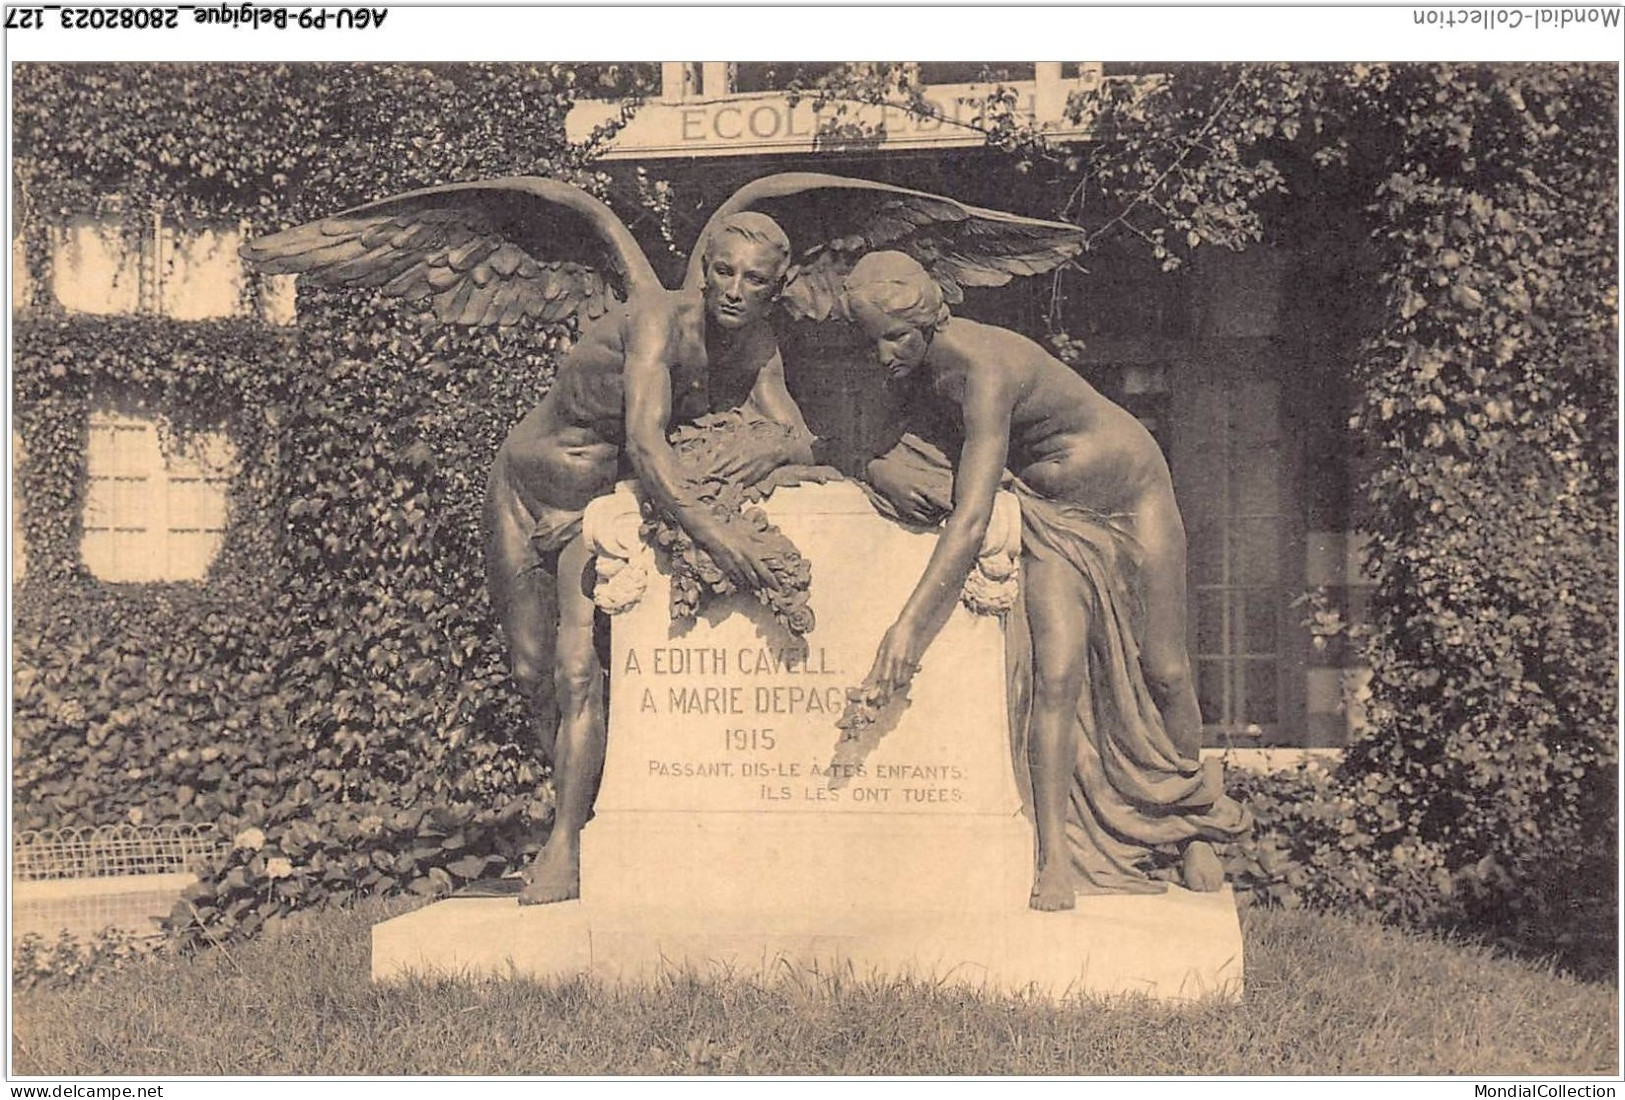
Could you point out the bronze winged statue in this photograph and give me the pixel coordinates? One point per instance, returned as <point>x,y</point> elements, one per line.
<point>527,249</point>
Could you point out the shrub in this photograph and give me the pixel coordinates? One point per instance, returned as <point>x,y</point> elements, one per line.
<point>1488,400</point>
<point>39,963</point>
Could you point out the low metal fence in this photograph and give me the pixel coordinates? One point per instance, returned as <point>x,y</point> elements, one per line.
<point>106,851</point>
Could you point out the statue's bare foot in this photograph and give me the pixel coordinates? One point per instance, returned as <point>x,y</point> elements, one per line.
<point>1201,868</point>
<point>1053,890</point>
<point>554,876</point>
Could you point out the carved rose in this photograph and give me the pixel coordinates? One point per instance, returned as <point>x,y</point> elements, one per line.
<point>862,711</point>
<point>620,584</point>
<point>997,567</point>
<point>987,595</point>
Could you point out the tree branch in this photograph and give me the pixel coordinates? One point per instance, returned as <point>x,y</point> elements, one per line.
<point>1191,144</point>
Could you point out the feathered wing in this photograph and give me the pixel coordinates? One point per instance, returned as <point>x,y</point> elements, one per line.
<point>493,252</point>
<point>832,220</point>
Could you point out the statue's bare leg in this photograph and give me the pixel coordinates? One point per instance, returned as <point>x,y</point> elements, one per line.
<point>1060,661</point>
<point>578,754</point>
<point>1165,661</point>
<point>524,594</point>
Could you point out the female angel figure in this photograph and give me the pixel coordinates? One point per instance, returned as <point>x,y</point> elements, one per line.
<point>1114,730</point>
<point>527,249</point>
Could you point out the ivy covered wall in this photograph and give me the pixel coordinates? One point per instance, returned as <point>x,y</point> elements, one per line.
<point>337,678</point>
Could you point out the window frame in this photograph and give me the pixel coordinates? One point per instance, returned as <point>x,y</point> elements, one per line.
<point>163,517</point>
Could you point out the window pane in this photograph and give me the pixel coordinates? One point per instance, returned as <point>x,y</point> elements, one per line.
<point>190,554</point>
<point>122,555</point>
<point>122,449</point>
<point>1255,550</point>
<point>207,455</point>
<point>1210,633</point>
<point>121,502</point>
<point>203,274</point>
<point>1257,482</point>
<point>1262,621</point>
<point>196,505</point>
<point>1262,702</point>
<point>1200,486</point>
<point>96,268</point>
<point>1204,550</point>
<point>1210,691</point>
<point>1253,407</point>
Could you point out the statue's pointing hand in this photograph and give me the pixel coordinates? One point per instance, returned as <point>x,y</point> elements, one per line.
<point>895,664</point>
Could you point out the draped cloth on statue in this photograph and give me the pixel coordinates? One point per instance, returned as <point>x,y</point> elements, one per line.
<point>1132,790</point>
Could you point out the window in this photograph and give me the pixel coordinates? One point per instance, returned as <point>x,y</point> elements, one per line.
<point>192,274</point>
<point>975,72</point>
<point>97,268</point>
<point>1228,478</point>
<point>152,515</point>
<point>201,275</point>
<point>776,76</point>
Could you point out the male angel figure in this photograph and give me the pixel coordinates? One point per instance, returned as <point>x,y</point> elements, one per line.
<point>1115,731</point>
<point>524,248</point>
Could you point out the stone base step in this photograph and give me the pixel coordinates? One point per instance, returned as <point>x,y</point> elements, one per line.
<point>1177,946</point>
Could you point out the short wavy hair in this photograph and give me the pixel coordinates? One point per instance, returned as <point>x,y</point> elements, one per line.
<point>897,285</point>
<point>757,228</point>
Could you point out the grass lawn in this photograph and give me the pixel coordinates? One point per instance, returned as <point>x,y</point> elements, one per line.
<point>1325,995</point>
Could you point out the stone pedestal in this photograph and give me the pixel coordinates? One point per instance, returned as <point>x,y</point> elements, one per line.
<point>728,786</point>
<point>735,828</point>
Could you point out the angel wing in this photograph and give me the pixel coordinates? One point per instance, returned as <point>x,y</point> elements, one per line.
<point>493,252</point>
<point>832,220</point>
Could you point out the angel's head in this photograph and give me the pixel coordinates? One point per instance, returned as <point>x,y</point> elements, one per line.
<point>897,304</point>
<point>746,258</point>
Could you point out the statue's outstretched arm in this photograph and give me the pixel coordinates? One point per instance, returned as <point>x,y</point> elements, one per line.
<point>779,436</point>
<point>770,397</point>
<point>650,349</point>
<point>987,406</point>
